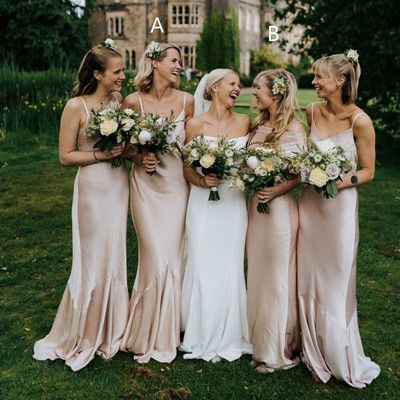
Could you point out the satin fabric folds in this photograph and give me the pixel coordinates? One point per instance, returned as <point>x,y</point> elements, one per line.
<point>327,252</point>
<point>158,206</point>
<point>93,311</point>
<point>272,271</point>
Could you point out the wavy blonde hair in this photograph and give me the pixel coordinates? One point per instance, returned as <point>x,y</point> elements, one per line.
<point>286,105</point>
<point>144,78</point>
<point>339,65</point>
<point>214,77</point>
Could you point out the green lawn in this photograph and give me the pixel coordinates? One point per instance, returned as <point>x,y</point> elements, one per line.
<point>305,96</point>
<point>35,261</point>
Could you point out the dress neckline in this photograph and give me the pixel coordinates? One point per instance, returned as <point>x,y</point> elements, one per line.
<point>316,130</point>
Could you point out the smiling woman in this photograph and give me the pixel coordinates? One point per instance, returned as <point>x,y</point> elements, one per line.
<point>93,311</point>
<point>158,205</point>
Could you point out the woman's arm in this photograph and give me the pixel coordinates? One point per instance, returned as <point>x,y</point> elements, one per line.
<point>364,137</point>
<point>71,120</point>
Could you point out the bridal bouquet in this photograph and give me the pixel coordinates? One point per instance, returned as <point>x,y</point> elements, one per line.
<point>113,126</point>
<point>156,135</point>
<point>322,165</point>
<point>261,167</point>
<point>217,157</point>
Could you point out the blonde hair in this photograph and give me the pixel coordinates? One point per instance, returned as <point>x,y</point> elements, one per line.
<point>340,65</point>
<point>144,78</point>
<point>214,77</point>
<point>94,60</point>
<point>286,104</point>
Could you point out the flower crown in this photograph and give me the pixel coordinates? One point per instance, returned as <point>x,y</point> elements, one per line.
<point>153,51</point>
<point>352,56</point>
<point>109,44</point>
<point>279,85</point>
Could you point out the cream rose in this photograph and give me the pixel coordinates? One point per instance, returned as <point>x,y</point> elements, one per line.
<point>332,170</point>
<point>207,160</point>
<point>108,126</point>
<point>318,177</point>
<point>128,112</point>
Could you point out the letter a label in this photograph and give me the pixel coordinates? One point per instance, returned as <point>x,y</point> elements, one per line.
<point>157,25</point>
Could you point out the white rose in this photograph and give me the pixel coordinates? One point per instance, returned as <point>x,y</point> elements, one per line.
<point>332,170</point>
<point>108,126</point>
<point>213,145</point>
<point>253,162</point>
<point>318,177</point>
<point>127,124</point>
<point>207,160</point>
<point>128,111</point>
<point>240,184</point>
<point>144,136</point>
<point>325,146</point>
<point>160,121</point>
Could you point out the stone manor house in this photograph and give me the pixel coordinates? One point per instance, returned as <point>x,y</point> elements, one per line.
<point>129,23</point>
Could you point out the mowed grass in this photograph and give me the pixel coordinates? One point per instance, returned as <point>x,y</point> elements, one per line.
<point>304,97</point>
<point>35,262</point>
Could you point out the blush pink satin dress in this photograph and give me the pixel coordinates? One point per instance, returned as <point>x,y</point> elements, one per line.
<point>327,262</point>
<point>93,311</point>
<point>158,206</point>
<point>271,273</point>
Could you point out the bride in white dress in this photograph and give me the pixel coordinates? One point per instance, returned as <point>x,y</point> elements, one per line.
<point>214,295</point>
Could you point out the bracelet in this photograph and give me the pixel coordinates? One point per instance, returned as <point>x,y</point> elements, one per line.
<point>94,155</point>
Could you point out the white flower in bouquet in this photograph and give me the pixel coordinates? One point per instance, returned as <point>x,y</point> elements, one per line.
<point>318,177</point>
<point>129,112</point>
<point>332,170</point>
<point>304,172</point>
<point>240,184</point>
<point>127,124</point>
<point>160,121</point>
<point>325,146</point>
<point>213,145</point>
<point>108,126</point>
<point>229,153</point>
<point>253,162</point>
<point>317,157</point>
<point>207,160</point>
<point>229,161</point>
<point>260,171</point>
<point>194,154</point>
<point>144,136</point>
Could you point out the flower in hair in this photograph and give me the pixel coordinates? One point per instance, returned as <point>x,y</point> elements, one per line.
<point>352,56</point>
<point>279,85</point>
<point>109,43</point>
<point>153,50</point>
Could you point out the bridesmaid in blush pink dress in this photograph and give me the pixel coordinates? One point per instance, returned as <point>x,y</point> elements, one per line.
<point>328,235</point>
<point>94,309</point>
<point>271,238</point>
<point>158,205</point>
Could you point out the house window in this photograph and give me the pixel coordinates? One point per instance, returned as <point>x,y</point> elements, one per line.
<point>189,56</point>
<point>116,26</point>
<point>130,59</point>
<point>185,15</point>
<point>133,59</point>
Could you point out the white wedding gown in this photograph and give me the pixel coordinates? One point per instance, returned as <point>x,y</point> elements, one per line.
<point>214,294</point>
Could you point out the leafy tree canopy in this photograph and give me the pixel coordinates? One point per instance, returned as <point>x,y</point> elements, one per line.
<point>37,34</point>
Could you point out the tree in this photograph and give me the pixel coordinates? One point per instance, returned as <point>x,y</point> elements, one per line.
<point>371,27</point>
<point>265,58</point>
<point>219,45</point>
<point>37,34</point>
